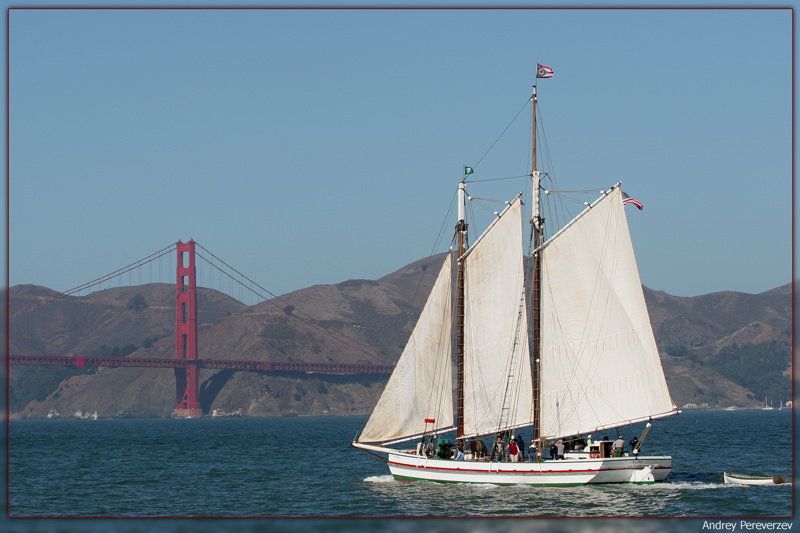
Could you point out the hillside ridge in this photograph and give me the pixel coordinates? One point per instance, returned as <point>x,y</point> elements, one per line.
<point>355,321</point>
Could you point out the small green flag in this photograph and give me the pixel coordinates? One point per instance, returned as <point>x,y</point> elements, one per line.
<point>468,170</point>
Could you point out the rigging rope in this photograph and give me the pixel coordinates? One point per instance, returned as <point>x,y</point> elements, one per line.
<point>503,133</point>
<point>500,179</point>
<point>436,244</point>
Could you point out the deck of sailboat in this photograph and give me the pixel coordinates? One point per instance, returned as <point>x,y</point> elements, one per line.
<point>576,469</point>
<point>566,472</point>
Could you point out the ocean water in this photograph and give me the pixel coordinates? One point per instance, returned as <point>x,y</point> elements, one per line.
<point>305,467</point>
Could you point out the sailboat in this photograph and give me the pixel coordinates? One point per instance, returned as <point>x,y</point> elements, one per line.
<point>586,361</point>
<point>766,407</point>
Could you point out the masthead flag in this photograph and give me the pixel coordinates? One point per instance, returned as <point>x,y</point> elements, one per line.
<point>628,200</point>
<point>468,170</point>
<point>543,71</point>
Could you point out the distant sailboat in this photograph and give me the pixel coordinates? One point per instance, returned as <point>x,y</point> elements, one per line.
<point>592,363</point>
<point>766,407</point>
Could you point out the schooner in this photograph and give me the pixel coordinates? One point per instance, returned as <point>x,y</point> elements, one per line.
<point>566,352</point>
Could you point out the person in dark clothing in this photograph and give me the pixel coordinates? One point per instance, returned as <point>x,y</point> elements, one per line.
<point>634,441</point>
<point>497,448</point>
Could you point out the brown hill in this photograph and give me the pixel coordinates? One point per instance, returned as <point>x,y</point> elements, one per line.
<point>356,321</point>
<point>80,325</point>
<point>98,324</point>
<point>714,320</point>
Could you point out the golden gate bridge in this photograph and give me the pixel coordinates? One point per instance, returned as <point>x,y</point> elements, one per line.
<point>186,363</point>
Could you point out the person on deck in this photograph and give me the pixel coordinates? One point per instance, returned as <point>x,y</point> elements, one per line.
<point>532,451</point>
<point>634,450</point>
<point>560,449</point>
<point>521,448</point>
<point>512,450</point>
<point>617,447</point>
<point>497,449</point>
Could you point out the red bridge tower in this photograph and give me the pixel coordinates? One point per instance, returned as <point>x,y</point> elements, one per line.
<point>186,382</point>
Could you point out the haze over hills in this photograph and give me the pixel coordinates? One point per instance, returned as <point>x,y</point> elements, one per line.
<point>356,321</point>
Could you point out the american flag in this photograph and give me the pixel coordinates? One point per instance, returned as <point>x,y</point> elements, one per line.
<point>628,200</point>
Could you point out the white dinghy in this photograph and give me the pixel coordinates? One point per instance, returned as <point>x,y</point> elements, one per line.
<point>739,479</point>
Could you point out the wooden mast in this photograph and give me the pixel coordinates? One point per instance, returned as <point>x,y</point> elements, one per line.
<point>461,231</point>
<point>536,228</point>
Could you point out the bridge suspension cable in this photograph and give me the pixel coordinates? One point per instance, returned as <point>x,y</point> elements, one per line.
<point>168,250</point>
<point>305,318</point>
<point>224,269</point>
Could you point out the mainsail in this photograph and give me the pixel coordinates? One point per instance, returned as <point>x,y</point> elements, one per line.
<point>599,362</point>
<point>497,368</point>
<point>420,388</point>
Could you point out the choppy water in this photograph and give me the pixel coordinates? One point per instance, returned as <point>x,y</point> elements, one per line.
<point>305,467</point>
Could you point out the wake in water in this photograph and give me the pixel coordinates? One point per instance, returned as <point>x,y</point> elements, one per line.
<point>379,479</point>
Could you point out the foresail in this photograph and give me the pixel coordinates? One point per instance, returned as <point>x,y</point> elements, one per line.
<point>599,362</point>
<point>420,388</point>
<point>497,372</point>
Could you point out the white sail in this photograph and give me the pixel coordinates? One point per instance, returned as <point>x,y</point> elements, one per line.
<point>497,371</point>
<point>420,387</point>
<point>599,362</point>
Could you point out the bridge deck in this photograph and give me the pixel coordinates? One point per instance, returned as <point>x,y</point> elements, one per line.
<point>216,364</point>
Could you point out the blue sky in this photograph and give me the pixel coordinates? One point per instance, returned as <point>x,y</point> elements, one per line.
<point>314,146</point>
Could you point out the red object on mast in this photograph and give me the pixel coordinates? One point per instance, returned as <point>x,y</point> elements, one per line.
<point>186,382</point>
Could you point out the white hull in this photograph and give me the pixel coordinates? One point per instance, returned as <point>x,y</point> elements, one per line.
<point>754,480</point>
<point>577,469</point>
